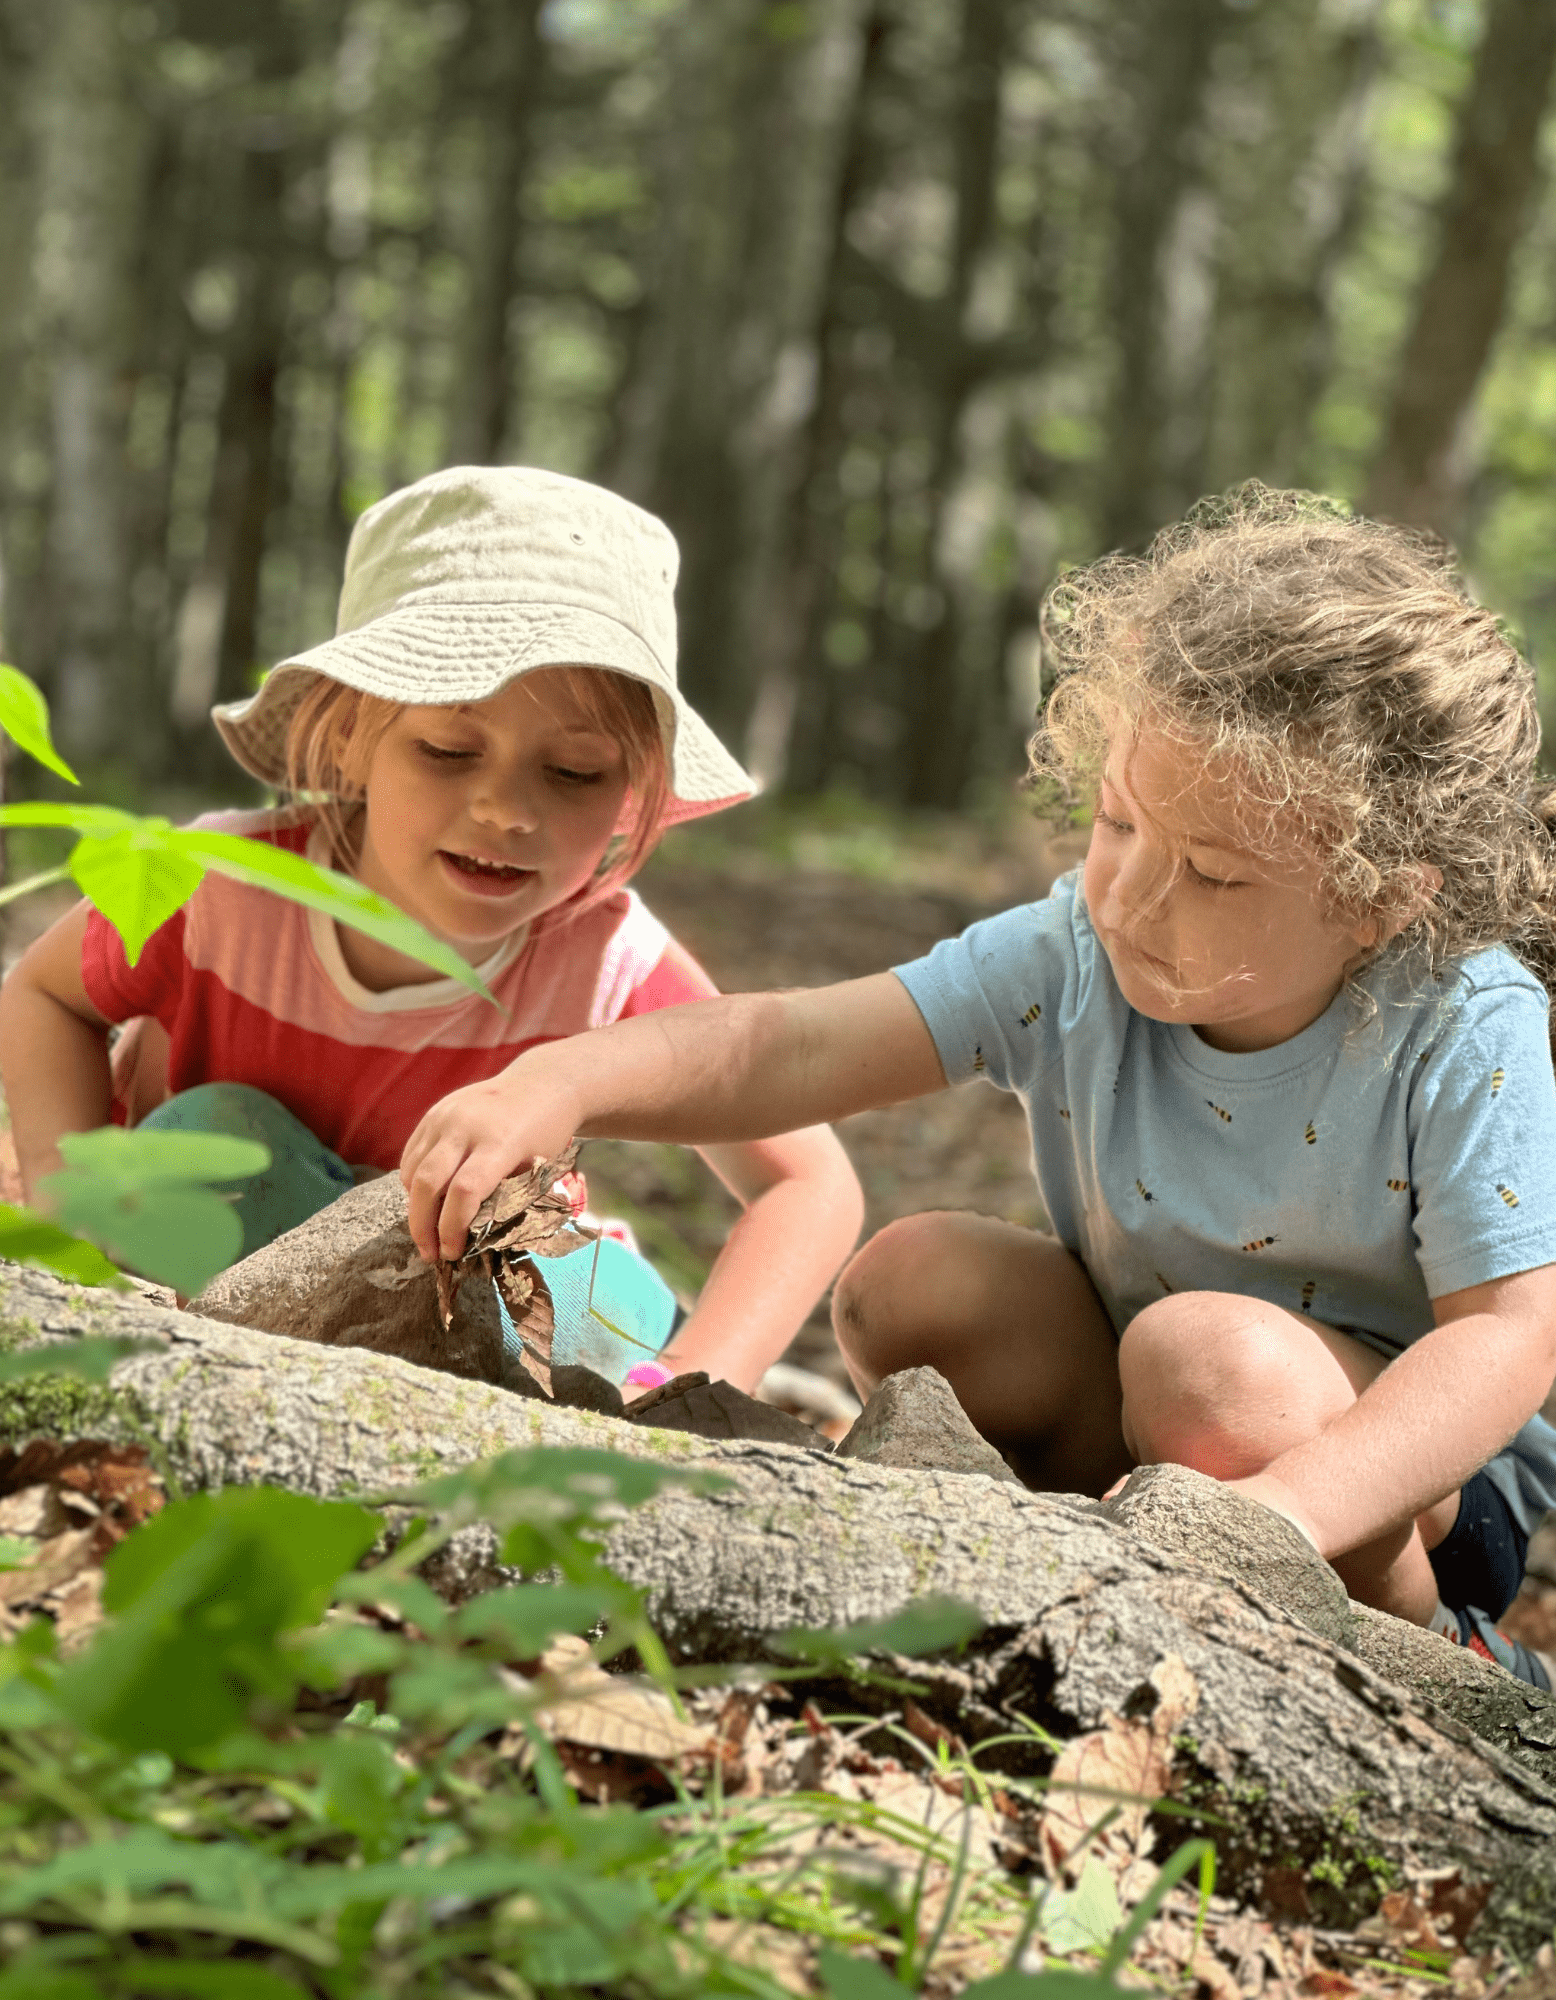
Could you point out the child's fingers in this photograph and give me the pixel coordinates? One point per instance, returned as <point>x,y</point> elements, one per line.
<point>425,1182</point>
<point>466,1191</point>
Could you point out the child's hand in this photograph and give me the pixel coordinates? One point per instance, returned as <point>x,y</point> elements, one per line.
<point>467,1143</point>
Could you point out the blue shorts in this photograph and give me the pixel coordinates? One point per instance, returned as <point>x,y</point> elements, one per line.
<point>1480,1561</point>
<point>613,1309</point>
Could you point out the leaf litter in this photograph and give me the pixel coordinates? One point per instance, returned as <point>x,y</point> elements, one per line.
<point>62,1508</point>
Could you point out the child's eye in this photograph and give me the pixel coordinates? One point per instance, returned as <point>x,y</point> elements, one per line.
<point>439,754</point>
<point>570,777</point>
<point>1113,825</point>
<point>1209,881</point>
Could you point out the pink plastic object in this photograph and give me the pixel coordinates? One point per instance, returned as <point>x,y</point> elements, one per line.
<point>648,1375</point>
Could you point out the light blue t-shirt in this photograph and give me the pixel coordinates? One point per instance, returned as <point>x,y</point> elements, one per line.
<point>1355,1172</point>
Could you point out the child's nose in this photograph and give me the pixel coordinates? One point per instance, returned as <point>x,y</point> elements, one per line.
<point>510,807</point>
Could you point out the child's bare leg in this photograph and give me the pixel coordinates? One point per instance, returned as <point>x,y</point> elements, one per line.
<point>1010,1319</point>
<point>1226,1384</point>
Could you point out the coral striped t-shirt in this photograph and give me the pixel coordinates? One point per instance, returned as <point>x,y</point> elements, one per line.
<point>248,987</point>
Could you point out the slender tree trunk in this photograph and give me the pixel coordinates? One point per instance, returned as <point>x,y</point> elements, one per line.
<point>939,726</point>
<point>794,721</point>
<point>92,165</point>
<point>1165,64</point>
<point>1459,307</point>
<point>508,56</point>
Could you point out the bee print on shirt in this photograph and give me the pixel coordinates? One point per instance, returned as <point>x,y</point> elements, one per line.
<point>1310,1136</point>
<point>1030,1015</point>
<point>1064,1112</point>
<point>1308,1289</point>
<point>1224,1116</point>
<point>1261,1243</point>
<point>1399,1187</point>
<point>1507,1194</point>
<point>1164,1284</point>
<point>1144,1192</point>
<point>979,1065</point>
<point>1498,1078</point>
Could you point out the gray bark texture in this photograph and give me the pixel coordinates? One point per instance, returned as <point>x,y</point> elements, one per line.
<point>1300,1748</point>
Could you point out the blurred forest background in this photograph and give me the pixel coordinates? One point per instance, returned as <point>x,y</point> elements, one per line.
<point>890,307</point>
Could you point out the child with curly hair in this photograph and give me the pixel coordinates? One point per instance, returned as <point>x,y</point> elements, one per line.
<point>1283,1044</point>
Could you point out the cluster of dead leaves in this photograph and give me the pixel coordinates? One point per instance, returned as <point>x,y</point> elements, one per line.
<point>528,1213</point>
<point>62,1508</point>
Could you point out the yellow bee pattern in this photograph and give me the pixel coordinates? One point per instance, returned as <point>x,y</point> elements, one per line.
<point>1308,1290</point>
<point>1030,1015</point>
<point>1507,1194</point>
<point>1145,1192</point>
<point>979,1065</point>
<point>1261,1243</point>
<point>1224,1116</point>
<point>1064,1112</point>
<point>1310,1136</point>
<point>1164,1284</point>
<point>1498,1078</point>
<point>1400,1187</point>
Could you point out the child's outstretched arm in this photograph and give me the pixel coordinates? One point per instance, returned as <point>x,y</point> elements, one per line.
<point>53,1049</point>
<point>712,1074</point>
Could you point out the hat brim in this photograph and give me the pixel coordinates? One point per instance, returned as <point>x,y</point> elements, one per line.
<point>441,652</point>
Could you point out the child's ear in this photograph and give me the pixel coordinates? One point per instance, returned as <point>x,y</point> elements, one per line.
<point>1377,931</point>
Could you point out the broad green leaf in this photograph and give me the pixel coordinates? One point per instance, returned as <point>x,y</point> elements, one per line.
<point>181,1236</point>
<point>101,822</point>
<point>26,1979</point>
<point>1063,1982</point>
<point>24,716</point>
<point>138,879</point>
<point>27,1238</point>
<point>343,1652</point>
<point>16,1552</point>
<point>90,1360</point>
<point>145,1860</point>
<point>200,1595</point>
<point>348,902</point>
<point>855,1978</point>
<point>411,1597</point>
<point>928,1625</point>
<point>359,1786</point>
<point>529,1615</point>
<point>145,1158</point>
<point>1083,1918</point>
<point>203,1979</point>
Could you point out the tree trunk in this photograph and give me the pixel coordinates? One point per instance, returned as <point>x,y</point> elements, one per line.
<point>507,55</point>
<point>92,160</point>
<point>1166,61</point>
<point>1312,1753</point>
<point>1495,164</point>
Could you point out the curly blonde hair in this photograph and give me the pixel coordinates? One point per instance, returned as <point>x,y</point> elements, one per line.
<point>1370,708</point>
<point>334,730</point>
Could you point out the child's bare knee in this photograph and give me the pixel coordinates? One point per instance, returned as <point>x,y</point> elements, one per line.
<point>885,1293</point>
<point>1209,1382</point>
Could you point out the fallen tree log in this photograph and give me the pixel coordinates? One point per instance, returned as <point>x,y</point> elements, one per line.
<point>1310,1756</point>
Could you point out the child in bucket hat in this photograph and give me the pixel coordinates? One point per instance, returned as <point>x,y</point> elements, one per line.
<point>494,740</point>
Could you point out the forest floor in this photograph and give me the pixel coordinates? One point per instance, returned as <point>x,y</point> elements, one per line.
<point>785,902</point>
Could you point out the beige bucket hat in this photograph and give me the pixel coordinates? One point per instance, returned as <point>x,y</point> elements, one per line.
<point>477,574</point>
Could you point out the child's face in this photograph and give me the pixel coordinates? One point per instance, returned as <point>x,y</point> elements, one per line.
<point>1198,928</point>
<point>482,816</point>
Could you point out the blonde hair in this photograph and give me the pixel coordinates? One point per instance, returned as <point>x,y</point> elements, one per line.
<point>334,730</point>
<point>1371,709</point>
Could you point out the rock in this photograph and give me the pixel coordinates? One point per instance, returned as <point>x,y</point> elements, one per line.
<point>575,1387</point>
<point>1197,1521</point>
<point>914,1420</point>
<point>350,1276</point>
<point>720,1410</point>
<point>1472,1689</point>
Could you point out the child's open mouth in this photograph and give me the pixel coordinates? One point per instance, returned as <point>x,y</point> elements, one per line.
<point>486,878</point>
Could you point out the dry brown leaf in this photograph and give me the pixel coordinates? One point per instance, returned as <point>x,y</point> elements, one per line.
<point>56,1562</point>
<point>614,1713</point>
<point>528,1299</point>
<point>1323,1981</point>
<point>34,1511</point>
<point>1115,1773</point>
<point>929,1732</point>
<point>1211,1974</point>
<point>523,1211</point>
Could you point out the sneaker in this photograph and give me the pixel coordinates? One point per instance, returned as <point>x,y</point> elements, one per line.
<point>1480,1635</point>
